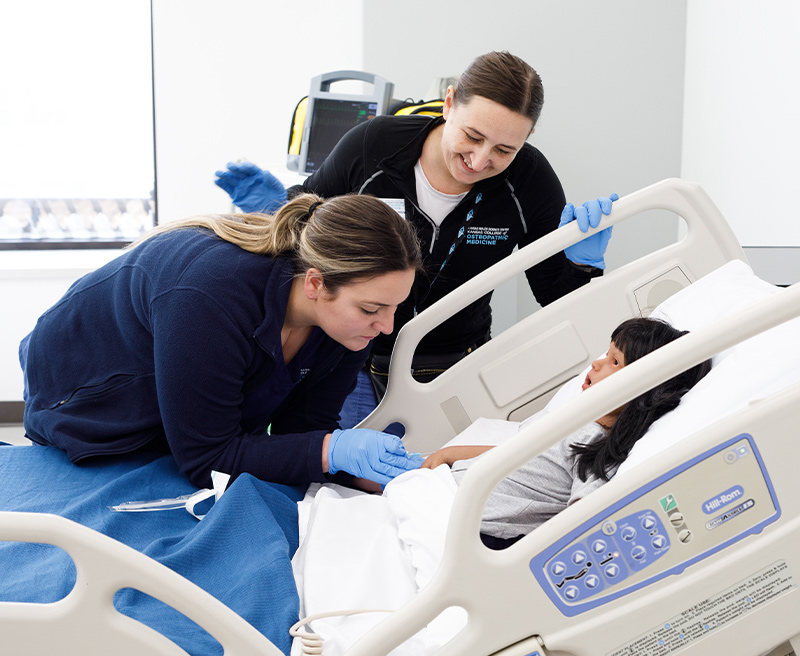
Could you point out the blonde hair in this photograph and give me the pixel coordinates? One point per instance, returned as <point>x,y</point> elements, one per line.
<point>346,238</point>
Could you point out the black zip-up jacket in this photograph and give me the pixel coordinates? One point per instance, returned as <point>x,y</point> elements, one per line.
<point>511,209</point>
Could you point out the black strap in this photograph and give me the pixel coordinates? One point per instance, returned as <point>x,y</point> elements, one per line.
<point>460,236</point>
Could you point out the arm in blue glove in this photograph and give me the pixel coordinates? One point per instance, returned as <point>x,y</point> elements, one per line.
<point>251,188</point>
<point>369,454</point>
<point>591,250</point>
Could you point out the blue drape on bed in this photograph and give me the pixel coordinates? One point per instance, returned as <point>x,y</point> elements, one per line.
<point>240,553</point>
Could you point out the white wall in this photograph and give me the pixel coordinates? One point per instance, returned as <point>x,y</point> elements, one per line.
<point>741,129</point>
<point>613,81</point>
<point>228,77</point>
<point>30,282</point>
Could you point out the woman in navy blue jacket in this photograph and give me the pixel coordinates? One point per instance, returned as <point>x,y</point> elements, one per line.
<point>231,341</point>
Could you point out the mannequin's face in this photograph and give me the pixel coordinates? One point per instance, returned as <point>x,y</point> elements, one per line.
<point>603,367</point>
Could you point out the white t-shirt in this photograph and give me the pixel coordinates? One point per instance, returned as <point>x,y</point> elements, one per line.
<point>434,203</point>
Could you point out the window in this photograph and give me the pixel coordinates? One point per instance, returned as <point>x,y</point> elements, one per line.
<point>77,162</point>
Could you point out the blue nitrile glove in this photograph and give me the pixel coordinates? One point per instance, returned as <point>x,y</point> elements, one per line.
<point>591,250</point>
<point>251,188</point>
<point>369,454</point>
<point>588,214</point>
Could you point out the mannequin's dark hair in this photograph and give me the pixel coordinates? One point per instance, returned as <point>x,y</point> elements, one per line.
<point>636,338</point>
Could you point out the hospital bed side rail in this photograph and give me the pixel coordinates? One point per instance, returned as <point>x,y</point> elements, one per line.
<point>740,566</point>
<point>86,622</point>
<point>534,357</point>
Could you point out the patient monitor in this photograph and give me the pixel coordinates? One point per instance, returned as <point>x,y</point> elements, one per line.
<point>330,115</point>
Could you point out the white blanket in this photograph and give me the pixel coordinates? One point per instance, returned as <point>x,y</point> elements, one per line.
<point>366,551</point>
<point>360,550</point>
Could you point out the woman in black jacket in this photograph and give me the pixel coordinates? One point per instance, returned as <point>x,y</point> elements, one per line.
<point>473,188</point>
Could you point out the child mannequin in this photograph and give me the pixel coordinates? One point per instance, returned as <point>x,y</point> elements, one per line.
<point>589,457</point>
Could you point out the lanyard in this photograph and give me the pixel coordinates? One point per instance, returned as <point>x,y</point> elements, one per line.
<point>462,233</point>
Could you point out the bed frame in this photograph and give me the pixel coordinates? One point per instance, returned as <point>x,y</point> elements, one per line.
<point>689,592</point>
<point>518,600</point>
<point>515,373</point>
<point>86,622</point>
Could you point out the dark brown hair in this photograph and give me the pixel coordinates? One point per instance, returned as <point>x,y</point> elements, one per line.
<point>505,79</point>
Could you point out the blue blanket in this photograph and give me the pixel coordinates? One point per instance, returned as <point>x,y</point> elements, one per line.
<point>240,552</point>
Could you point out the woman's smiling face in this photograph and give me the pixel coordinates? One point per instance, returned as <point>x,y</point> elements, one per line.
<point>480,138</point>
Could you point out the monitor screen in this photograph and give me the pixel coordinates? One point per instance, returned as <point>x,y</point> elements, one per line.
<point>329,122</point>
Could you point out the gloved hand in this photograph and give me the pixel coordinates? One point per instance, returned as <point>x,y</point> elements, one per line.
<point>588,214</point>
<point>591,250</point>
<point>369,454</point>
<point>251,188</point>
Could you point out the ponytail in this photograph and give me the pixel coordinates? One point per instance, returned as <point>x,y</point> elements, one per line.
<point>263,234</point>
<point>345,238</point>
<point>287,225</point>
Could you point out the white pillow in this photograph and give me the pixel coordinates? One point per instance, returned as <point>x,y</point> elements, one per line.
<point>721,293</point>
<point>725,291</point>
<point>753,369</point>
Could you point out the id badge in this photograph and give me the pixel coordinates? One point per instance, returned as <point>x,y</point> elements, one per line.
<point>397,204</point>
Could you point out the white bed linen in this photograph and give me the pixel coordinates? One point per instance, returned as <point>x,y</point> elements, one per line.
<point>366,551</point>
<point>361,550</point>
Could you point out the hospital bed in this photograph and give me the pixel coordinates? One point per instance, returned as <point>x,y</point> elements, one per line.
<point>690,552</point>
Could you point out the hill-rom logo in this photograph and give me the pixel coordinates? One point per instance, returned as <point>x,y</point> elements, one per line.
<point>721,500</point>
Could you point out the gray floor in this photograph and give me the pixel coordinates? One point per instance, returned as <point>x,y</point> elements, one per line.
<point>13,434</point>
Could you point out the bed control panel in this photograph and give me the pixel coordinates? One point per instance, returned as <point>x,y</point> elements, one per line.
<point>682,517</point>
<point>609,556</point>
